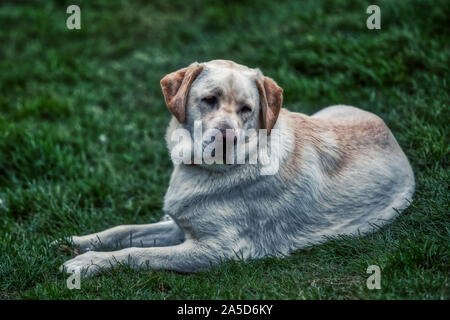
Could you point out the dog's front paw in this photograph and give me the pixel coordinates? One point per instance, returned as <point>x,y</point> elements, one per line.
<point>82,244</point>
<point>87,264</point>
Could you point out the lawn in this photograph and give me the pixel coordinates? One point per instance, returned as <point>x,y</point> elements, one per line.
<point>82,123</point>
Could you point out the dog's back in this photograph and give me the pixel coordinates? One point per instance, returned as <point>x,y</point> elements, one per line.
<point>350,174</point>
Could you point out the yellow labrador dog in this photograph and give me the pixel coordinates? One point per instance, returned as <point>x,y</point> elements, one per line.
<point>337,172</point>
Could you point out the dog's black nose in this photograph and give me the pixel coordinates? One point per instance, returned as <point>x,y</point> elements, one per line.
<point>224,132</point>
<point>224,129</point>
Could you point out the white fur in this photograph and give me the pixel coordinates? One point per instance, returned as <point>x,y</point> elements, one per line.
<point>220,212</point>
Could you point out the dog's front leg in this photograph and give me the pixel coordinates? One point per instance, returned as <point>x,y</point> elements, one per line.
<point>164,233</point>
<point>190,256</point>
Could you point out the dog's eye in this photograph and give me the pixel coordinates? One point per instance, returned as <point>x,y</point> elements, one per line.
<point>246,109</point>
<point>210,100</point>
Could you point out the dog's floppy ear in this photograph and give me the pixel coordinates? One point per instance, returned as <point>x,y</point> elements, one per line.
<point>271,96</point>
<point>175,87</point>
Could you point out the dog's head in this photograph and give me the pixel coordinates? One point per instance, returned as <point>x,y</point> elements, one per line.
<point>223,95</point>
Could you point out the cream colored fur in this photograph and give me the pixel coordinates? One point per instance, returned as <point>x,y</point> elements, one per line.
<point>341,171</point>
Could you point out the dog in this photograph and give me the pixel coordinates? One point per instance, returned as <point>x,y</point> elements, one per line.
<point>340,172</point>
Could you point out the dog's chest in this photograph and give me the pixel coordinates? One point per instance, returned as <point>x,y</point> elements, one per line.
<point>198,191</point>
<point>188,189</point>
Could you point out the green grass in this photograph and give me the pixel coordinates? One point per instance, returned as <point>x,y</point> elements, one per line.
<point>61,90</point>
